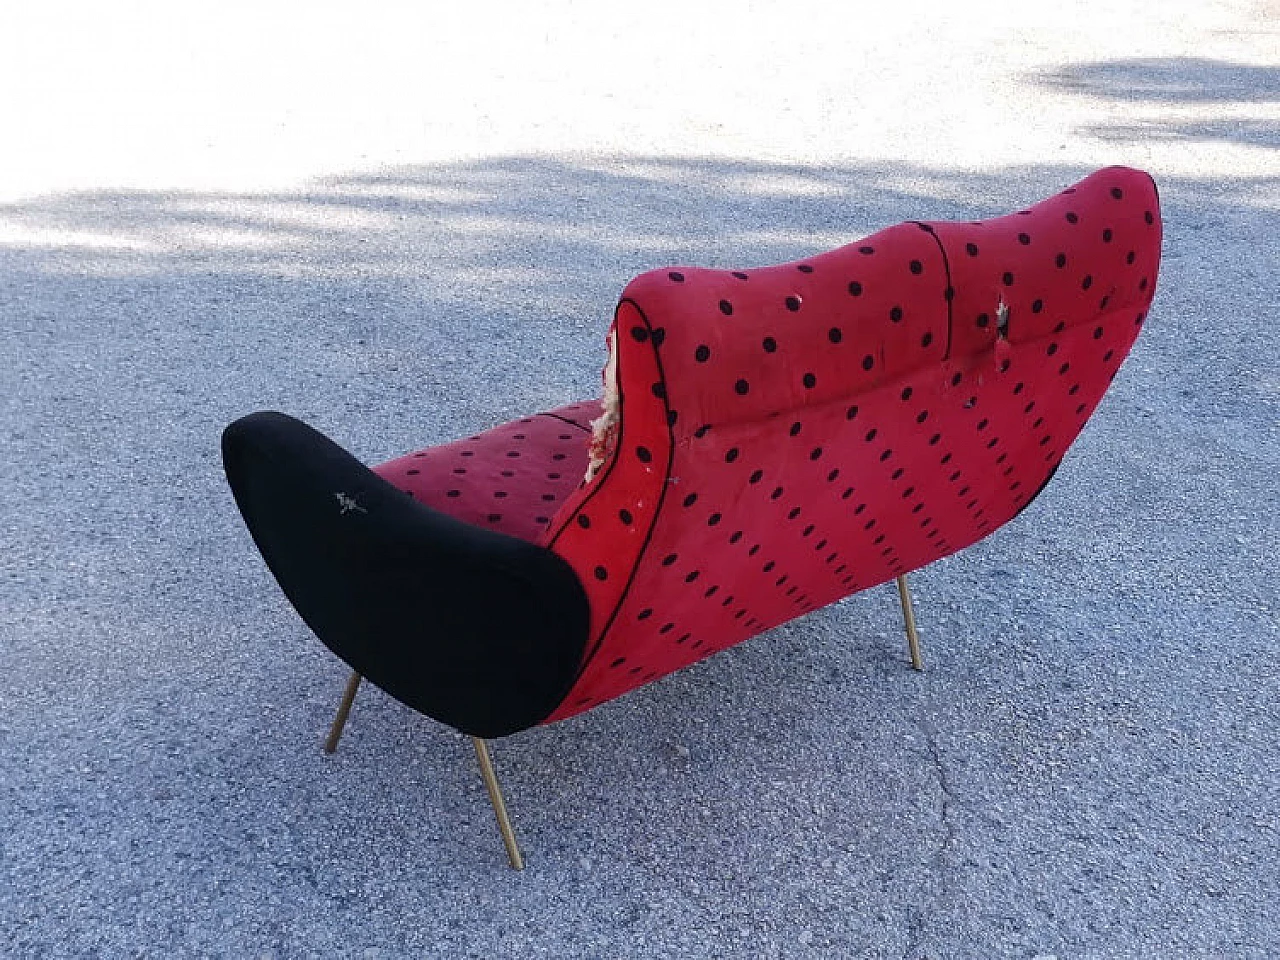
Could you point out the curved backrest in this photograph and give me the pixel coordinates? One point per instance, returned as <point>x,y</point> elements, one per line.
<point>793,434</point>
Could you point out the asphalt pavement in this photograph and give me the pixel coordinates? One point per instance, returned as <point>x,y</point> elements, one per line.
<point>405,227</point>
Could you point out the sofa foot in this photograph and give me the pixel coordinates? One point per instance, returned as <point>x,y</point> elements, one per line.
<point>344,709</point>
<point>909,619</point>
<point>499,806</point>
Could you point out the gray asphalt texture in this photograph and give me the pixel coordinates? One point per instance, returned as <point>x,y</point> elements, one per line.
<point>1089,766</point>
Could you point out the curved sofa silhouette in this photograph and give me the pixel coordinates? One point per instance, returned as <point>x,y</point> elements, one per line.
<point>769,441</point>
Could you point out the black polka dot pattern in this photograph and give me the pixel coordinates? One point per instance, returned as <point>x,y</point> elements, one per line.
<point>853,417</point>
<point>511,479</point>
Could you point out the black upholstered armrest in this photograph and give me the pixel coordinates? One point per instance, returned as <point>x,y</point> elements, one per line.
<point>480,630</point>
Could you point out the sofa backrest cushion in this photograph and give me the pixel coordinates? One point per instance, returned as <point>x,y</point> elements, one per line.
<point>793,434</point>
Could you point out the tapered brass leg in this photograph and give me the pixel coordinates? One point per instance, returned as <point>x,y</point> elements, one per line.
<point>909,618</point>
<point>344,708</point>
<point>499,807</point>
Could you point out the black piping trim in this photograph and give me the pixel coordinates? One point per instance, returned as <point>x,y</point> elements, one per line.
<point>598,481</point>
<point>946,265</point>
<point>1039,490</point>
<point>662,496</point>
<point>572,423</point>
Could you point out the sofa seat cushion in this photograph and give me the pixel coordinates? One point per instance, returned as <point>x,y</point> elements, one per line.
<point>512,478</point>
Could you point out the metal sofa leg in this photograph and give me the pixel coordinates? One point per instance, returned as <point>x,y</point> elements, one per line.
<point>499,806</point>
<point>909,619</point>
<point>344,709</point>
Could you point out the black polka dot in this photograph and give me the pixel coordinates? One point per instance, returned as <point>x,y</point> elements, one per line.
<point>810,381</point>
<point>739,274</point>
<point>815,453</point>
<point>643,454</point>
<point>906,393</point>
<point>741,388</point>
<point>868,362</point>
<point>1024,239</point>
<point>676,276</point>
<point>804,268</point>
<point>1060,260</point>
<point>896,314</point>
<point>769,344</point>
<point>1117,193</point>
<point>866,251</point>
<point>851,413</point>
<point>639,334</point>
<point>1072,218</point>
<point>601,573</point>
<point>971,249</point>
<point>1106,235</point>
<point>690,500</point>
<point>726,308</point>
<point>983,320</point>
<point>756,476</point>
<point>794,429</point>
<point>702,354</point>
<point>926,340</point>
<point>1037,306</point>
<point>669,559</point>
<point>835,335</point>
<point>855,289</point>
<point>916,267</point>
<point>1087,282</point>
<point>625,516</point>
<point>1007,279</point>
<point>793,303</point>
<point>731,455</point>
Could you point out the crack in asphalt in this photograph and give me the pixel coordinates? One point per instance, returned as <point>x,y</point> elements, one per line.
<point>946,800</point>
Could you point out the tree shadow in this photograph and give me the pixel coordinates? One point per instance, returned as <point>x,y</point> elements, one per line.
<point>1169,80</point>
<point>407,307</point>
<point>1254,133</point>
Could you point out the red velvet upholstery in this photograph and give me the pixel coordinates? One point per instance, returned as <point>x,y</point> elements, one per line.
<point>511,479</point>
<point>792,434</point>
